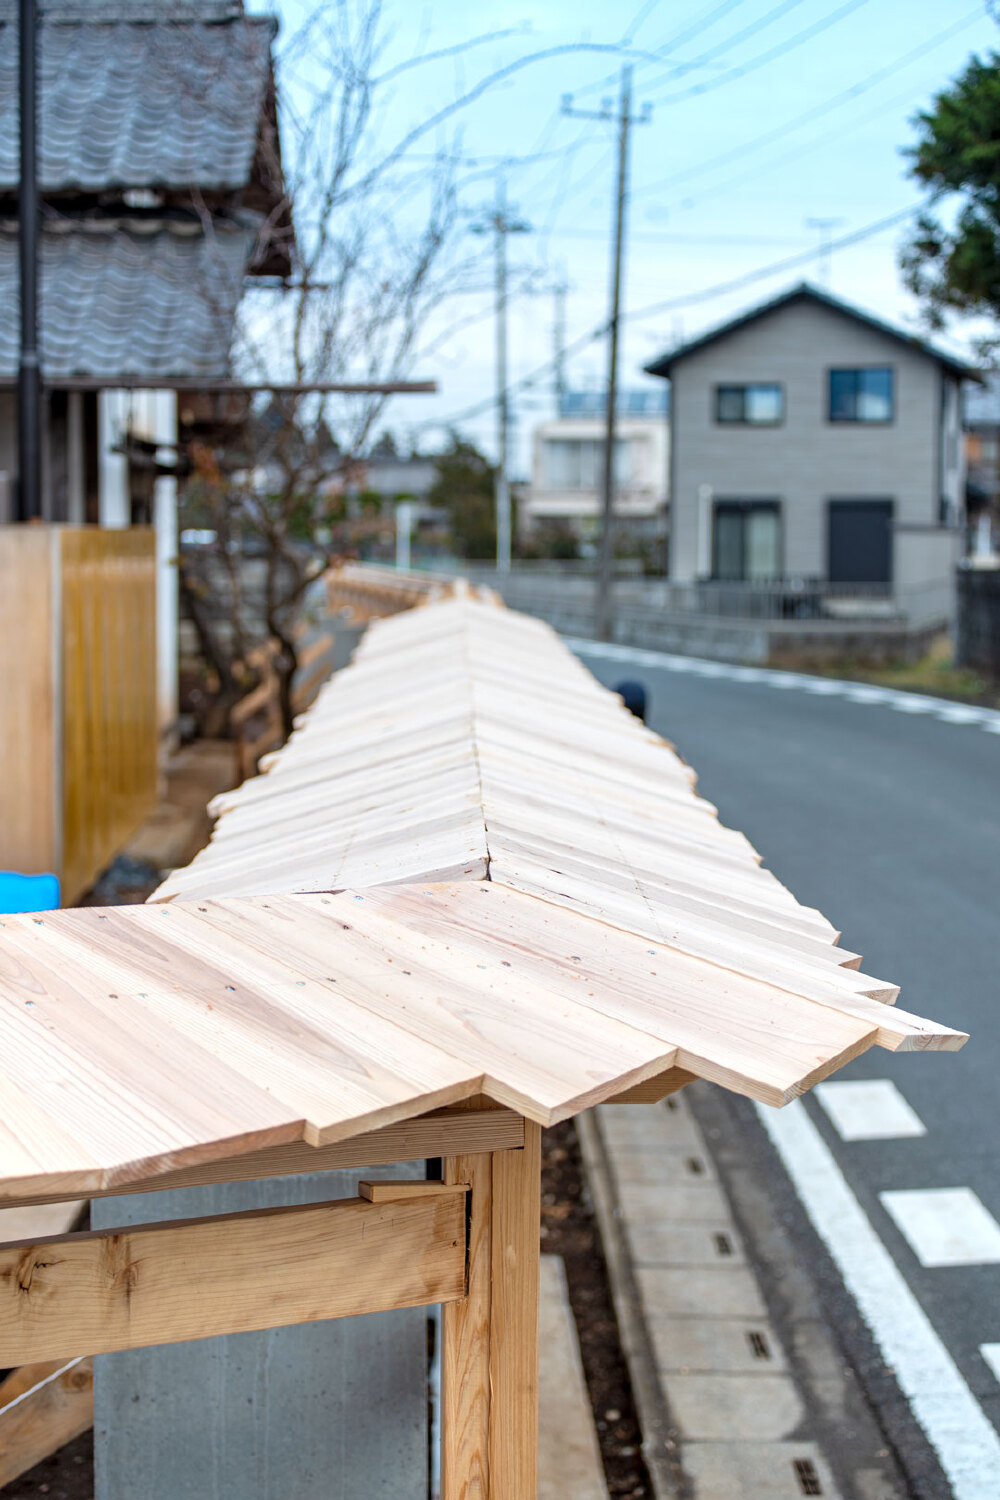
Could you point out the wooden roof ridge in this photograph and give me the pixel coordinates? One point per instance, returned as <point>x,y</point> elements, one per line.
<point>470,872</point>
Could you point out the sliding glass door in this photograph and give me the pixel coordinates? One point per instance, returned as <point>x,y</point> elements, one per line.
<point>746,541</point>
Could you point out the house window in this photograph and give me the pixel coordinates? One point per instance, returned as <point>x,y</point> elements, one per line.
<point>746,541</point>
<point>861,395</point>
<point>756,405</point>
<point>578,463</point>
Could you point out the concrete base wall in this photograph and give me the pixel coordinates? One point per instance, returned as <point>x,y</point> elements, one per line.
<point>642,620</point>
<point>978,631</point>
<point>322,1411</point>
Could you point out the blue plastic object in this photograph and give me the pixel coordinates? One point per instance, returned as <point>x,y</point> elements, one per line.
<point>28,892</point>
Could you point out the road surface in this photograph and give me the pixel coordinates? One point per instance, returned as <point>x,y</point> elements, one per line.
<point>883,810</point>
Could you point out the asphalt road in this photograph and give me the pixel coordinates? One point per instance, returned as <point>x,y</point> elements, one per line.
<point>887,819</point>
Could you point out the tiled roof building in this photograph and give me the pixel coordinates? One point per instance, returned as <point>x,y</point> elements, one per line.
<point>161,184</point>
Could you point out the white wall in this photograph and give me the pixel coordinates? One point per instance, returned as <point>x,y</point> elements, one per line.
<point>643,495</point>
<point>152,415</point>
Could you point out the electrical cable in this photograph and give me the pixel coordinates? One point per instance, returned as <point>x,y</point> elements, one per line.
<point>816,111</point>
<point>670,304</point>
<point>762,58</point>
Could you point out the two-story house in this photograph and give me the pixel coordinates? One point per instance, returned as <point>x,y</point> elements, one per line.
<point>567,465</point>
<point>813,443</point>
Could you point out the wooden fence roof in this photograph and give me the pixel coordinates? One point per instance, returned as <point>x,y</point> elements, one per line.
<point>470,871</point>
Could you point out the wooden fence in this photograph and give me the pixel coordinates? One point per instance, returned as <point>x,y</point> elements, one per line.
<point>363,592</point>
<point>78,730</point>
<point>255,722</point>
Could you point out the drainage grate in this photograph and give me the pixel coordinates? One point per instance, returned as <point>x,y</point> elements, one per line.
<point>761,1349</point>
<point>805,1473</point>
<point>723,1244</point>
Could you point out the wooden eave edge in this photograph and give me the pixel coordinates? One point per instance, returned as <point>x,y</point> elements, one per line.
<point>871,1021</point>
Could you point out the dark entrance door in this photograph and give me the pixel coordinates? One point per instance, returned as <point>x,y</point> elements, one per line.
<point>860,541</point>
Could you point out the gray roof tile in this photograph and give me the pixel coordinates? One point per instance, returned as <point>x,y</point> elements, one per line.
<point>119,300</point>
<point>126,104</point>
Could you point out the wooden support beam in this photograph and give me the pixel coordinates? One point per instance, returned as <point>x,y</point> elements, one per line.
<point>445,1133</point>
<point>514,1320</point>
<point>154,1284</point>
<point>465,1361</point>
<point>42,1407</point>
<point>490,1356</point>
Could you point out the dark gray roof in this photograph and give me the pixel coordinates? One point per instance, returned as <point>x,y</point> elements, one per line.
<point>128,10</point>
<point>130,104</point>
<point>805,292</point>
<point>155,300</point>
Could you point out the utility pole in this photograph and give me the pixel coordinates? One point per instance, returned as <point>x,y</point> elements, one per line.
<point>559,343</point>
<point>603,609</point>
<point>28,373</point>
<point>825,228</point>
<point>501,226</point>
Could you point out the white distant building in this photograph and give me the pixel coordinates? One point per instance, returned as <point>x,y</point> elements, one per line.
<point>568,460</point>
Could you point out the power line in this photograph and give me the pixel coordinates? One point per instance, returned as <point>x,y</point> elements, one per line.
<point>689,299</point>
<point>665,48</point>
<point>738,179</point>
<point>762,58</point>
<point>567,189</point>
<point>816,111</point>
<point>720,48</point>
<point>762,273</point>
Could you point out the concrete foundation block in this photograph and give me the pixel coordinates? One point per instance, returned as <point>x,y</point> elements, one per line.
<point>322,1411</point>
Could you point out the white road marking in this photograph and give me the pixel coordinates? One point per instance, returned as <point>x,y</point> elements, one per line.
<point>945,1226</point>
<point>855,692</point>
<point>991,1354</point>
<point>868,1109</point>
<point>965,1441</point>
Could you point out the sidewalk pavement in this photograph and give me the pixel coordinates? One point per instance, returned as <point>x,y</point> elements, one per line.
<point>721,1412</point>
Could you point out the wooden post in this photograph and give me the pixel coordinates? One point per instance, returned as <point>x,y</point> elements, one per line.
<point>490,1357</point>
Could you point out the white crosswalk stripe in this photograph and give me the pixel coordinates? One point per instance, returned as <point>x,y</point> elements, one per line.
<point>945,1226</point>
<point>966,1442</point>
<point>868,1109</point>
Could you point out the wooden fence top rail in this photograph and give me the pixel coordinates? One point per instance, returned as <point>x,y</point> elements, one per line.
<point>470,872</point>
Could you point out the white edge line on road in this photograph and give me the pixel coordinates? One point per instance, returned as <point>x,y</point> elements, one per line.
<point>944,709</point>
<point>965,1441</point>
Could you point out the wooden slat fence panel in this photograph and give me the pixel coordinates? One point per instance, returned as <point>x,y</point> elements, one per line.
<point>108,633</point>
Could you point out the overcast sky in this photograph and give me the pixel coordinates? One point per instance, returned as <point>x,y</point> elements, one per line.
<point>765,114</point>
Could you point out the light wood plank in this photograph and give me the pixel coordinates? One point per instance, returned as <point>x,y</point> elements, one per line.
<point>98,1292</point>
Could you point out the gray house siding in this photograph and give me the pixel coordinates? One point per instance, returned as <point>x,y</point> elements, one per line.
<point>806,461</point>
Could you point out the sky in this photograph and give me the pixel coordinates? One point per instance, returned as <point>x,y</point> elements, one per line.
<point>763,115</point>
